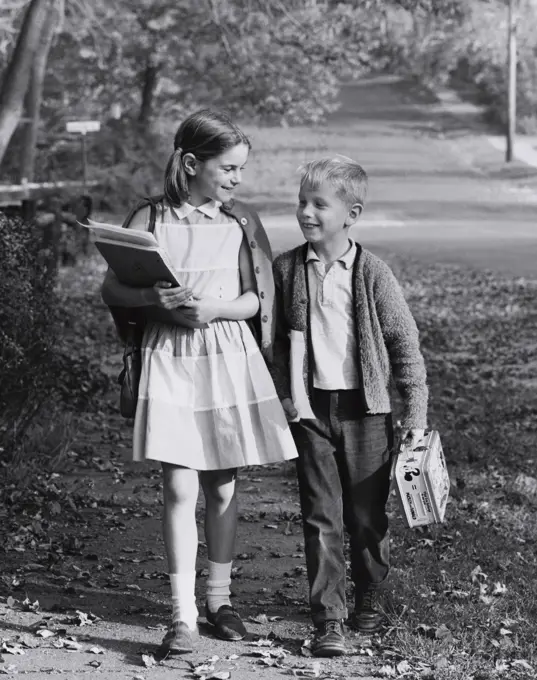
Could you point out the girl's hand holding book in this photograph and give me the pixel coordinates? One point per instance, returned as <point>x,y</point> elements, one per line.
<point>164,295</point>
<point>202,309</point>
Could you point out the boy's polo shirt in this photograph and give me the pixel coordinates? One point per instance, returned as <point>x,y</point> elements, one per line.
<point>332,321</point>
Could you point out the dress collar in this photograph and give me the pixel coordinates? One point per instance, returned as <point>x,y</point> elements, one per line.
<point>211,209</point>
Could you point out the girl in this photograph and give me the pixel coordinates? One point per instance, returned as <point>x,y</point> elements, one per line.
<point>207,404</point>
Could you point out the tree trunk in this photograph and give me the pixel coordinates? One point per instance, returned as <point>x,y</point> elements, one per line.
<point>149,86</point>
<point>34,94</point>
<point>17,74</point>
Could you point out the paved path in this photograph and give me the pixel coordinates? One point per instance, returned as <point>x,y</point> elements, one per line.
<point>425,198</point>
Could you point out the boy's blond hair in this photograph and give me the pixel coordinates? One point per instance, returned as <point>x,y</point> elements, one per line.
<point>345,175</point>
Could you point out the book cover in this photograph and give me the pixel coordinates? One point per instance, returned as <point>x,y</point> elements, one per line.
<point>134,256</point>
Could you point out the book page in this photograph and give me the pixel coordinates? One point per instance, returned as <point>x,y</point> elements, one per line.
<point>103,231</point>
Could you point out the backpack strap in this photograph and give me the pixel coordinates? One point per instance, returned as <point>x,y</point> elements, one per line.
<point>152,202</point>
<point>130,321</point>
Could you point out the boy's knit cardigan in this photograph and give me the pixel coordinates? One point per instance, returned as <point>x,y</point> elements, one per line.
<point>386,333</point>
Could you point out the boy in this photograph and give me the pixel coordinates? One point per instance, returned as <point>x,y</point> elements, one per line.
<point>343,330</point>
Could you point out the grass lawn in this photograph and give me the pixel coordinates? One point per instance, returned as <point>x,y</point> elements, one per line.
<point>465,593</point>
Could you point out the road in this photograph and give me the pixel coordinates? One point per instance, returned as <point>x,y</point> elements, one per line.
<point>425,198</point>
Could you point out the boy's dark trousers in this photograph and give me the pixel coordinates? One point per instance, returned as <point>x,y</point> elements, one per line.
<point>344,476</point>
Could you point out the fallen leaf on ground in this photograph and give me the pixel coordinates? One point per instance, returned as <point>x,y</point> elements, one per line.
<point>522,663</point>
<point>477,575</point>
<point>260,618</point>
<point>148,660</point>
<point>271,663</point>
<point>499,588</point>
<point>12,648</point>
<point>29,606</point>
<point>313,671</point>
<point>202,669</point>
<point>305,648</point>
<point>483,597</point>
<point>441,662</point>
<point>82,619</point>
<point>403,667</point>
<point>443,633</point>
<point>72,645</point>
<point>8,670</point>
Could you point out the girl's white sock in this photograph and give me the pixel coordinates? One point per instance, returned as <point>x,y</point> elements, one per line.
<point>184,599</point>
<point>218,583</point>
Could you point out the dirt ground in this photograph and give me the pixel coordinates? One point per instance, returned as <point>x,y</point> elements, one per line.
<point>93,597</point>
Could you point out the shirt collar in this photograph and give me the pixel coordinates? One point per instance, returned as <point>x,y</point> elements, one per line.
<point>211,209</point>
<point>347,259</point>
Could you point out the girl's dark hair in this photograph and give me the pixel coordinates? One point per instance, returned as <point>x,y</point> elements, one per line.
<point>206,134</point>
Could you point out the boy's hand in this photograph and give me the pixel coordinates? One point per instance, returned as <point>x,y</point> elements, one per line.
<point>411,436</point>
<point>290,411</point>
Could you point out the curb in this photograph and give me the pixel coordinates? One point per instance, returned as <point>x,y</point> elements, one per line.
<point>525,147</point>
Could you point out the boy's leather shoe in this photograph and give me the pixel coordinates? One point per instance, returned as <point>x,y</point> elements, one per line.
<point>178,640</point>
<point>329,639</point>
<point>227,623</point>
<point>366,617</point>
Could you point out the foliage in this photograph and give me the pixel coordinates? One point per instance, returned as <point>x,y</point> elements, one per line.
<point>470,50</point>
<point>40,368</point>
<point>262,59</point>
<point>26,290</point>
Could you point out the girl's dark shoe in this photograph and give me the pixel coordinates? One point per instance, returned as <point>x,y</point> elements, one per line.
<point>367,618</point>
<point>329,639</point>
<point>227,623</point>
<point>178,640</point>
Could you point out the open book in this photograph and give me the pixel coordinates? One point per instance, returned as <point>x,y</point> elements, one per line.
<point>134,256</point>
<point>137,259</point>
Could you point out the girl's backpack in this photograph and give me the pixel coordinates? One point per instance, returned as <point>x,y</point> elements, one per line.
<point>130,323</point>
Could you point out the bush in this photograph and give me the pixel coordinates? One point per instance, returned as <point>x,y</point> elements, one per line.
<point>40,367</point>
<point>26,332</point>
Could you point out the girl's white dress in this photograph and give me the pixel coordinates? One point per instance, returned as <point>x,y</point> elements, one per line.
<point>206,399</point>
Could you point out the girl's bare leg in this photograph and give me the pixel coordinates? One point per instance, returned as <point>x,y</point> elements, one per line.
<point>220,532</point>
<point>181,486</point>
